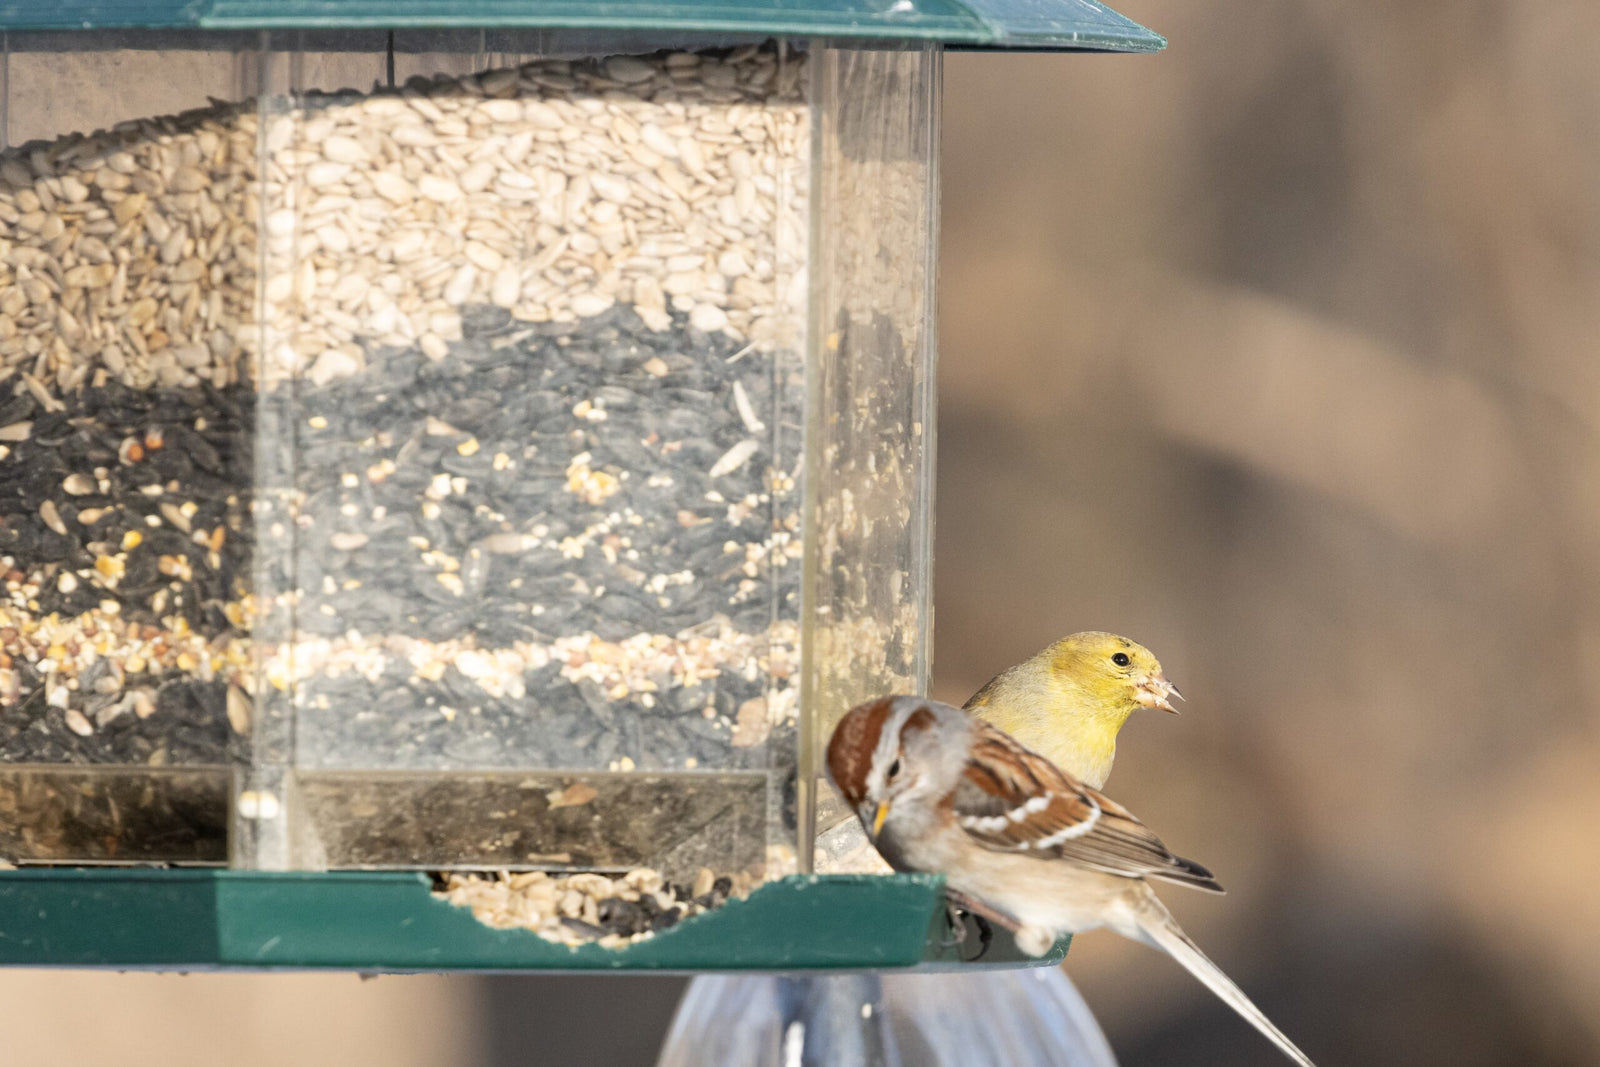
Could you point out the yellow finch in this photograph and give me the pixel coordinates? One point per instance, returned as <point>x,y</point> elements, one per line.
<point>1069,701</point>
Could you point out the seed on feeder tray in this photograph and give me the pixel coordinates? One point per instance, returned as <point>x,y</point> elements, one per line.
<point>78,484</point>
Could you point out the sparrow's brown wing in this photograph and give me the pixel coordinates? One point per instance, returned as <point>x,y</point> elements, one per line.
<point>1011,799</point>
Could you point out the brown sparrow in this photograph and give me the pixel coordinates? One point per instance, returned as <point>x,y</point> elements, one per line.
<point>1018,841</point>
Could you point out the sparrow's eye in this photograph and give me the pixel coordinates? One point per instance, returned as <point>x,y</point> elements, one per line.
<point>894,769</point>
<point>1120,659</point>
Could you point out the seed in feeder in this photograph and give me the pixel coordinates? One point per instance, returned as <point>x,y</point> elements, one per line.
<point>16,431</point>
<point>175,515</point>
<point>708,318</point>
<point>439,487</point>
<point>130,451</point>
<point>573,795</point>
<point>259,804</point>
<point>52,517</point>
<point>734,458</point>
<point>78,484</point>
<point>747,411</point>
<point>67,583</point>
<point>131,540</point>
<point>488,360</point>
<point>468,447</point>
<point>238,708</point>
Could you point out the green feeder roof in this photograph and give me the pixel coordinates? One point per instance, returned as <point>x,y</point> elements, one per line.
<point>1014,25</point>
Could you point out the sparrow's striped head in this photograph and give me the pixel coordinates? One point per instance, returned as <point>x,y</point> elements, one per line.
<point>892,746</point>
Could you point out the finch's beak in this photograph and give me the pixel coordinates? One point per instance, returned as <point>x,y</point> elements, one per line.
<point>1153,691</point>
<point>877,819</point>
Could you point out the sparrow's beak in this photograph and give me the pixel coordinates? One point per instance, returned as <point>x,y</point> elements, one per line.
<point>877,819</point>
<point>1153,691</point>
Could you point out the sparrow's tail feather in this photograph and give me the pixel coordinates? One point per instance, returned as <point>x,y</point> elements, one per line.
<point>1160,930</point>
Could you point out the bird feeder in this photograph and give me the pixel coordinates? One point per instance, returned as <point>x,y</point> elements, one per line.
<point>461,436</point>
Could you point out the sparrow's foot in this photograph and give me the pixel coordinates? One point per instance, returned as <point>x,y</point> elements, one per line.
<point>979,910</point>
<point>958,926</point>
<point>957,918</point>
<point>983,916</point>
<point>985,936</point>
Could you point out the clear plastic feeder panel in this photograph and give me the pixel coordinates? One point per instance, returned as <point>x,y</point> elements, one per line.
<point>127,273</point>
<point>474,450</point>
<point>871,420</point>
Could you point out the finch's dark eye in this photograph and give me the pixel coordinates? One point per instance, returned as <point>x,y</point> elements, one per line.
<point>1120,659</point>
<point>894,769</point>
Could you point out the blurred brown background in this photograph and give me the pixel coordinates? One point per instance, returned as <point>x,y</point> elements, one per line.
<point>1279,352</point>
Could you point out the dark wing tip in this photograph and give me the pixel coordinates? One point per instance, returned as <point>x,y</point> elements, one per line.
<point>1194,875</point>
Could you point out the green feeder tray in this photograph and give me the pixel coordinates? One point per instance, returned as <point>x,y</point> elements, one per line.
<point>184,920</point>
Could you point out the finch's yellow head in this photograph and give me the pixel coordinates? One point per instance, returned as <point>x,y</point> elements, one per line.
<point>1110,671</point>
<point>1070,700</point>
